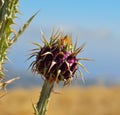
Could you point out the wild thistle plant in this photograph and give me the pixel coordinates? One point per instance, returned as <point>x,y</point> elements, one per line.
<point>8,36</point>
<point>56,61</point>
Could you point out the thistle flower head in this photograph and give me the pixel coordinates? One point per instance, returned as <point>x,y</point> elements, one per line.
<point>56,61</point>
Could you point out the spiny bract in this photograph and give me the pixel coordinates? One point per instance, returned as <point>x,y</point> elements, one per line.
<point>56,61</point>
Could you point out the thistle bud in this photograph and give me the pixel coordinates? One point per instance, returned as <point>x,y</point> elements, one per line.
<point>56,61</point>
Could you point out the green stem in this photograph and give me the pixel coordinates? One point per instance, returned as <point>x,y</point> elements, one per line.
<point>44,97</point>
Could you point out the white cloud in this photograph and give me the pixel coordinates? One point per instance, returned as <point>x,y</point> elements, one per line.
<point>85,33</point>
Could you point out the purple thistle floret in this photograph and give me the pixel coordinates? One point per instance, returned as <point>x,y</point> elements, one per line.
<point>56,61</point>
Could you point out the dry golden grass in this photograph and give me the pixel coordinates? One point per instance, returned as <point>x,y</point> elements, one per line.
<point>95,100</point>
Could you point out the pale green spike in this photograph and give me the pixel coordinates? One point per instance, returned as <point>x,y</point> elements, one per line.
<point>81,65</point>
<point>58,73</point>
<point>29,57</point>
<point>81,75</point>
<point>86,59</point>
<point>34,53</point>
<point>56,34</point>
<point>44,38</point>
<point>67,65</point>
<point>53,40</point>
<point>37,44</point>
<point>52,33</point>
<point>46,53</point>
<point>1,74</point>
<point>35,49</point>
<point>35,109</point>
<point>54,37</point>
<point>43,77</point>
<point>78,50</point>
<point>32,65</point>
<point>68,81</point>
<point>75,45</point>
<point>3,85</point>
<point>52,64</point>
<point>6,58</point>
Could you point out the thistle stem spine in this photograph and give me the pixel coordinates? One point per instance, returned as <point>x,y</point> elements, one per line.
<point>44,97</point>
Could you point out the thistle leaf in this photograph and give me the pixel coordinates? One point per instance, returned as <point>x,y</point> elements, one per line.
<point>4,84</point>
<point>1,74</point>
<point>24,27</point>
<point>3,10</point>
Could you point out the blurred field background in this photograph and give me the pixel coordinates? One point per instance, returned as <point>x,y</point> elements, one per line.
<point>94,22</point>
<point>94,100</point>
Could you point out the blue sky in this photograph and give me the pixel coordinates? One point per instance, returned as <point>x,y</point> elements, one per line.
<point>96,22</point>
